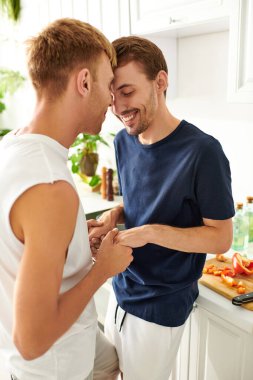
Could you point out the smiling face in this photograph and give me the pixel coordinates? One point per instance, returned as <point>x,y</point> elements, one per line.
<point>135,100</point>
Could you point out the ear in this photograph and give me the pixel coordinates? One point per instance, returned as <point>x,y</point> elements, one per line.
<point>162,81</point>
<point>84,81</point>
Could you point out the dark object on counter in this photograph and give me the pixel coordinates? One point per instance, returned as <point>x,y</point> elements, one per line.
<point>103,183</point>
<point>109,178</point>
<point>243,298</point>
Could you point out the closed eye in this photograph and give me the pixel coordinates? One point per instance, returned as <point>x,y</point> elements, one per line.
<point>127,93</point>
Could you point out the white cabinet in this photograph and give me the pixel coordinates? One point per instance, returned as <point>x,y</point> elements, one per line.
<point>240,81</point>
<point>110,16</point>
<point>222,350</point>
<point>148,16</point>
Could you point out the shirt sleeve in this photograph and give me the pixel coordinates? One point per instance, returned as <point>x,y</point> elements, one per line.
<point>213,182</point>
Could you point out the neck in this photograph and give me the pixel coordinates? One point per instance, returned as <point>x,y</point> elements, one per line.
<point>55,121</point>
<point>161,126</point>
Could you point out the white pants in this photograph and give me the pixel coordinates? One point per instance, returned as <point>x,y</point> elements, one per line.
<point>146,351</point>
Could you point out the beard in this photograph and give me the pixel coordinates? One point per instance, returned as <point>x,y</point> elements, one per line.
<point>146,115</point>
<point>141,127</point>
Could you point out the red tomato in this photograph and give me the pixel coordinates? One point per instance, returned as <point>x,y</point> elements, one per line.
<point>242,265</point>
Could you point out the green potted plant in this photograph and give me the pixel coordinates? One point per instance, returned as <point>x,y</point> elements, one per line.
<point>84,160</point>
<point>12,8</point>
<point>10,81</point>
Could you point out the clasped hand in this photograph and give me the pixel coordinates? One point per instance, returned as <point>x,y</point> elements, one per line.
<point>133,237</point>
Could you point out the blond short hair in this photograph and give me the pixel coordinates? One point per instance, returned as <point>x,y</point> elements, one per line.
<point>63,46</point>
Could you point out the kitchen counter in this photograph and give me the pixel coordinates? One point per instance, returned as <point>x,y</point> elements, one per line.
<point>221,306</point>
<point>93,203</point>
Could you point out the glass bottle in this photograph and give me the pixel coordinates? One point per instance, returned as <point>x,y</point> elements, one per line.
<point>240,229</point>
<point>249,213</point>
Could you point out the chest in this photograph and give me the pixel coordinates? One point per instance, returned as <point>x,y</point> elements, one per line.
<point>159,186</point>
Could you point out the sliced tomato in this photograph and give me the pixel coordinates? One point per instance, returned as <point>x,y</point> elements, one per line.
<point>229,280</point>
<point>241,289</point>
<point>242,265</point>
<point>220,257</point>
<point>228,272</point>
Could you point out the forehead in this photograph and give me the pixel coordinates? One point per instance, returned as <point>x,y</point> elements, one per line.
<point>104,68</point>
<point>131,73</point>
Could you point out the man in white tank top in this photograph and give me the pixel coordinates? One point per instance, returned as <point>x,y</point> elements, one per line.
<point>48,324</point>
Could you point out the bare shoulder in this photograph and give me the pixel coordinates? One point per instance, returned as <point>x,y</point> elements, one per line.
<point>44,207</point>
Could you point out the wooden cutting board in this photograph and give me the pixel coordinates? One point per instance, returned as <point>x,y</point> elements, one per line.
<point>216,284</point>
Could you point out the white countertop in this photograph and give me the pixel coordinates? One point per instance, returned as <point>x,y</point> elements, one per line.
<point>93,202</point>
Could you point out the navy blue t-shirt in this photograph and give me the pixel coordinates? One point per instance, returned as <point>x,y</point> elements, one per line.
<point>176,181</point>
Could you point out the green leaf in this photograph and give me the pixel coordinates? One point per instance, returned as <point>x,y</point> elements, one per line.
<point>2,107</point>
<point>88,143</point>
<point>74,168</point>
<point>4,132</point>
<point>12,8</point>
<point>95,180</point>
<point>10,81</point>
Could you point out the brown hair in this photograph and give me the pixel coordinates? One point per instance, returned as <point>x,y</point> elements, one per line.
<point>61,47</point>
<point>141,50</point>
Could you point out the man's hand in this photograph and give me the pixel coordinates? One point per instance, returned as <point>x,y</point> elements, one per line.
<point>134,237</point>
<point>108,221</point>
<point>93,223</point>
<point>113,258</point>
<point>95,242</point>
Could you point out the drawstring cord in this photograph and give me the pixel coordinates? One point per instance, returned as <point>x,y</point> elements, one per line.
<point>115,317</point>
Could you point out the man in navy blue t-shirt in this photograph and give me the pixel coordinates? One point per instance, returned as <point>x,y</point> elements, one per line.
<point>176,187</point>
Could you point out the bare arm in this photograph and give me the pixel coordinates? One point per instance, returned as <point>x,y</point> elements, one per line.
<point>44,218</point>
<point>214,237</point>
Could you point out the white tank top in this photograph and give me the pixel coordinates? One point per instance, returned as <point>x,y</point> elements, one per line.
<point>27,160</point>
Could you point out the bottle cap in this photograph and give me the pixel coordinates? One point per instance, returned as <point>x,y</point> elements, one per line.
<point>249,199</point>
<point>239,205</point>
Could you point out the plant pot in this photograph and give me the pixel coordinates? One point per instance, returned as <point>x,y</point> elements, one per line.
<point>89,163</point>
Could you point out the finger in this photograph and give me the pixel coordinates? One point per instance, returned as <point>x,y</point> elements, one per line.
<point>95,241</point>
<point>111,234</point>
<point>94,223</point>
<point>119,237</point>
<point>97,245</point>
<point>94,251</point>
<point>94,233</point>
